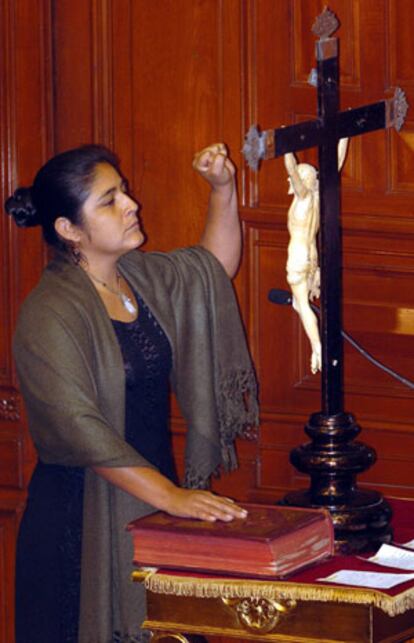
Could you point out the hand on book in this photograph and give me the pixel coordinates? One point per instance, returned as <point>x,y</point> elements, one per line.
<point>149,485</point>
<point>204,505</point>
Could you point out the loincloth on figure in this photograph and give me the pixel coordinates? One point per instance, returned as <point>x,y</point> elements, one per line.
<point>308,272</point>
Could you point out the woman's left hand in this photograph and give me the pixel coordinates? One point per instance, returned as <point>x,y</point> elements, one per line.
<point>214,165</point>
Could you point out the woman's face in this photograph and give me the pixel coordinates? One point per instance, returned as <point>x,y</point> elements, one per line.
<point>110,222</point>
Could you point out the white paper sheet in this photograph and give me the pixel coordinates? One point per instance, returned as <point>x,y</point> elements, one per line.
<point>391,556</point>
<point>409,544</point>
<point>376,580</point>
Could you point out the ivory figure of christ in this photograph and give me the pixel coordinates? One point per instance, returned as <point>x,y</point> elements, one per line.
<point>303,273</point>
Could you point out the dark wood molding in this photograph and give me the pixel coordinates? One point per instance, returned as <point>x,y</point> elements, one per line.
<point>102,77</point>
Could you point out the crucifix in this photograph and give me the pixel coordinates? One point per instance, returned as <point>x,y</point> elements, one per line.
<point>332,460</point>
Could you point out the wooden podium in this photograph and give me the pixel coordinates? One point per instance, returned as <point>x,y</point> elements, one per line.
<point>265,619</point>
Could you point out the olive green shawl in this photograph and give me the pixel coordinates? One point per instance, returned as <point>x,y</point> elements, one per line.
<point>72,379</point>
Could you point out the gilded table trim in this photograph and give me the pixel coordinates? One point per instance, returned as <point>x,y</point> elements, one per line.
<point>225,588</point>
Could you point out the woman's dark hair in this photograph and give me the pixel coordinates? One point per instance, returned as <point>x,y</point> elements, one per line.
<point>60,189</point>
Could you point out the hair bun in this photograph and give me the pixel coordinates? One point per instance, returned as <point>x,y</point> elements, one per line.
<point>20,207</point>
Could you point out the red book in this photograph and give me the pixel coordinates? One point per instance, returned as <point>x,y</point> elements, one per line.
<point>272,541</point>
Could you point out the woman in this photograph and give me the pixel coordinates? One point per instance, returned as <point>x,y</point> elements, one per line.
<point>96,345</point>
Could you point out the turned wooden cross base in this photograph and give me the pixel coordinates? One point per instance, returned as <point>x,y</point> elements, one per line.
<point>333,459</point>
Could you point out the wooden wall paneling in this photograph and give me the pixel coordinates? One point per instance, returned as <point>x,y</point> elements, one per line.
<point>399,74</point>
<point>279,434</point>
<point>378,311</point>
<point>177,106</point>
<point>400,50</point>
<point>6,142</point>
<point>267,81</point>
<point>7,551</point>
<point>74,115</point>
<point>102,71</point>
<point>377,227</point>
<point>25,117</point>
<point>25,142</point>
<point>394,446</point>
<point>122,91</point>
<point>159,80</point>
<point>94,78</point>
<point>83,36</point>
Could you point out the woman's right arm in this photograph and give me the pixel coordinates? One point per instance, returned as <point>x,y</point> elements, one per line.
<point>152,487</point>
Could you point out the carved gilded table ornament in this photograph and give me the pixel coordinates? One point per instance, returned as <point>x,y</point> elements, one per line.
<point>259,615</point>
<point>159,636</point>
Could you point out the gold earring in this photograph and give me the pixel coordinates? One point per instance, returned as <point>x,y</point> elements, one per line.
<point>75,253</point>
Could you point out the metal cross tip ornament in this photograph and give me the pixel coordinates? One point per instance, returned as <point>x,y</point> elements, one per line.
<point>253,148</point>
<point>397,108</point>
<point>325,24</point>
<point>258,145</point>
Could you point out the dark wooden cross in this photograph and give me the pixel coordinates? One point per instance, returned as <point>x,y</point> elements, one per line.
<point>324,132</point>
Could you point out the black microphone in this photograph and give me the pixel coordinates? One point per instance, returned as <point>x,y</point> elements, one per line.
<point>281,297</point>
<point>285,298</point>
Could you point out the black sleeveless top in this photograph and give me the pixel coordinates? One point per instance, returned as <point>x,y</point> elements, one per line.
<point>147,359</point>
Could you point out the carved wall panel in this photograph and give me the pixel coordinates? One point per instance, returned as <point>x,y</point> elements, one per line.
<point>401,46</point>
<point>398,69</point>
<point>6,147</point>
<point>168,126</point>
<point>83,54</point>
<point>12,464</point>
<point>7,537</point>
<point>25,142</point>
<point>24,105</point>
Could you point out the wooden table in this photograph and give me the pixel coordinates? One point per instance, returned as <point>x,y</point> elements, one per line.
<point>297,610</point>
<point>273,619</point>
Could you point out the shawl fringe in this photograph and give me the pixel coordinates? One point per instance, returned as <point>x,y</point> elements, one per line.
<point>238,407</point>
<point>237,417</point>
